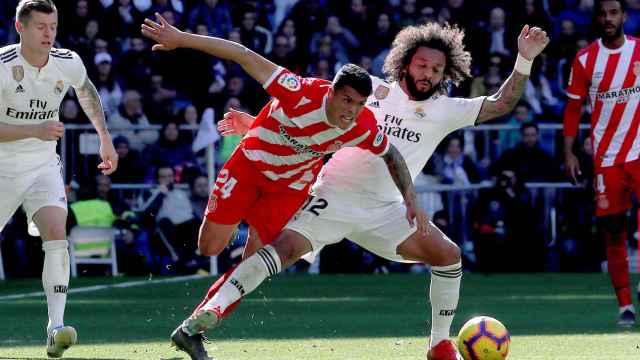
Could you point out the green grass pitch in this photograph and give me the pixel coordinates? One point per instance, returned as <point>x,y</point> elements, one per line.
<point>299,317</point>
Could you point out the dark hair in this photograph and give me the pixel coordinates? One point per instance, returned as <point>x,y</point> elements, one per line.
<point>598,3</point>
<point>447,38</point>
<point>25,7</point>
<point>527,125</point>
<point>354,76</point>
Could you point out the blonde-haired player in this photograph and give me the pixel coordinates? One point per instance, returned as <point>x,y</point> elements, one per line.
<point>34,78</point>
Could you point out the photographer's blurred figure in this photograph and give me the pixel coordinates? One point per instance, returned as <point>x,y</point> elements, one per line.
<point>501,221</point>
<point>169,213</point>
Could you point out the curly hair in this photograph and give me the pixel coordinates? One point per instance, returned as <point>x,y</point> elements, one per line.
<point>447,39</point>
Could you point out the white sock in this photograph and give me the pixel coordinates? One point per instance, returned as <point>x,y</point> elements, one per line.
<point>444,294</point>
<point>628,307</point>
<point>246,278</point>
<point>55,280</point>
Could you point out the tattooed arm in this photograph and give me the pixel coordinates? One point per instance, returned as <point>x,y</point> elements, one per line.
<point>90,102</point>
<point>402,178</point>
<point>503,101</point>
<point>531,42</point>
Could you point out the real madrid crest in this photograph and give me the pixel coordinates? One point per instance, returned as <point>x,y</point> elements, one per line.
<point>420,112</point>
<point>59,86</point>
<point>18,72</point>
<point>381,92</point>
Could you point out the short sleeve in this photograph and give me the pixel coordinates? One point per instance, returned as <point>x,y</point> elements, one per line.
<point>76,71</point>
<point>460,112</point>
<point>578,86</point>
<point>376,141</point>
<point>288,87</point>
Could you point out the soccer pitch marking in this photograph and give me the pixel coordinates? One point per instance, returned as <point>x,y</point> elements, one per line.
<point>93,288</point>
<point>128,284</point>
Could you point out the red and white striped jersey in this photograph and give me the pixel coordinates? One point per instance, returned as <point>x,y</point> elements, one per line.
<point>610,78</point>
<point>291,134</point>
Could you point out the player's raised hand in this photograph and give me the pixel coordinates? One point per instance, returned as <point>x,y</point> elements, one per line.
<point>49,130</point>
<point>532,41</point>
<point>572,167</point>
<point>235,122</point>
<point>109,156</point>
<point>414,211</point>
<point>168,37</point>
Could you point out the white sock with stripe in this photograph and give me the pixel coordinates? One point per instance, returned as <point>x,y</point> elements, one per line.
<point>245,278</point>
<point>444,294</point>
<point>55,280</point>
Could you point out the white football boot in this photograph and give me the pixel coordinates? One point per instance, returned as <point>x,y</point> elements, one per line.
<point>61,339</point>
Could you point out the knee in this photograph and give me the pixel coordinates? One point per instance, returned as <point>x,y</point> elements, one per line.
<point>290,246</point>
<point>210,245</point>
<point>53,231</point>
<point>449,254</point>
<point>452,253</point>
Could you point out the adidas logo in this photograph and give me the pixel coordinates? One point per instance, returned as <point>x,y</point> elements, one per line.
<point>19,89</point>
<point>375,104</point>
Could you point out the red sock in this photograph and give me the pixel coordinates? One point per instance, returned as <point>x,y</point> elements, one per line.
<point>214,289</point>
<point>619,266</point>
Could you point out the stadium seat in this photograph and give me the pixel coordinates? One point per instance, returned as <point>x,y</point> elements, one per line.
<point>92,245</point>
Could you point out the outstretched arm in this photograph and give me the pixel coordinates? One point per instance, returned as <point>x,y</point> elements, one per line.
<point>90,102</point>
<point>402,178</point>
<point>169,37</point>
<point>531,42</point>
<point>235,122</point>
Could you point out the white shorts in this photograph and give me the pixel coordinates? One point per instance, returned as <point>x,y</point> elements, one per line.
<point>34,190</point>
<point>376,226</point>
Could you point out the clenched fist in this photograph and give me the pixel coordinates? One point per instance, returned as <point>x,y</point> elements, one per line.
<point>49,130</point>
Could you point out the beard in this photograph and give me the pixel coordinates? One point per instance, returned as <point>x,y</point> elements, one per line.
<point>413,89</point>
<point>615,35</point>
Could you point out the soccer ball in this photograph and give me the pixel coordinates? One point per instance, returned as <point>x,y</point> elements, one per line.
<point>483,338</point>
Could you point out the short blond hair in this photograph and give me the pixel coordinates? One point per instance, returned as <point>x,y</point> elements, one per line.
<point>26,7</point>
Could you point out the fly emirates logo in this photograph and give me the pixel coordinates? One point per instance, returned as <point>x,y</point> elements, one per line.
<point>37,111</point>
<point>618,96</point>
<point>393,127</point>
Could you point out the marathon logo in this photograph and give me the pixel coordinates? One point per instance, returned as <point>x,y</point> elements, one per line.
<point>447,312</point>
<point>297,146</point>
<point>38,111</point>
<point>392,127</point>
<point>236,283</point>
<point>60,289</point>
<point>619,96</point>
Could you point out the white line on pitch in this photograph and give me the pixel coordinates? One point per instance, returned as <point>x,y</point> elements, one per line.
<point>126,284</point>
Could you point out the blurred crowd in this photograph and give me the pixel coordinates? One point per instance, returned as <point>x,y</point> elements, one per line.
<point>154,102</point>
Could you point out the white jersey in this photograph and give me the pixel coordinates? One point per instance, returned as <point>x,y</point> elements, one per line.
<point>415,128</point>
<point>31,96</point>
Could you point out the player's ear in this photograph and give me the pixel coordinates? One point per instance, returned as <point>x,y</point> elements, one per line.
<point>19,26</point>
